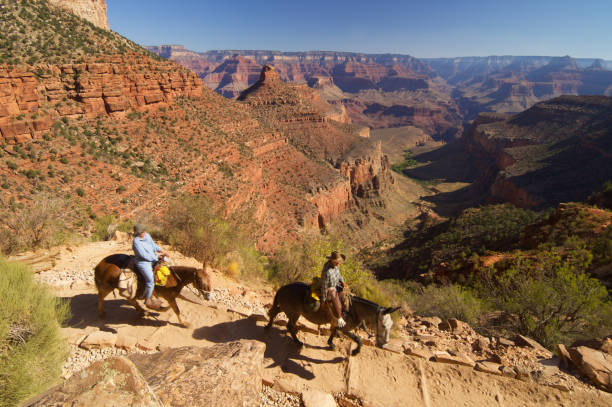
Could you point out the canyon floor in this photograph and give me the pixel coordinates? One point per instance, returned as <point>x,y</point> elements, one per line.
<point>375,377</point>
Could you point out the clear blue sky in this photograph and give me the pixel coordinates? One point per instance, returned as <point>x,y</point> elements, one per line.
<point>424,28</point>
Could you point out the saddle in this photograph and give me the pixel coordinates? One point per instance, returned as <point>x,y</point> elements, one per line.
<point>131,282</point>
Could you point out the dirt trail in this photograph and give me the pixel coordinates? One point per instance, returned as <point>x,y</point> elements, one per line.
<point>377,377</point>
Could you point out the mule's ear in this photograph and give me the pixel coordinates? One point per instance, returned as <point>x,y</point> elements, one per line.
<point>390,310</point>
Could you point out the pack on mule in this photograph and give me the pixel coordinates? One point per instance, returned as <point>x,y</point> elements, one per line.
<point>117,272</point>
<point>294,300</point>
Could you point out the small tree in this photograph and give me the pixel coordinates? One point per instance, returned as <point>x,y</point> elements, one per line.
<point>552,295</point>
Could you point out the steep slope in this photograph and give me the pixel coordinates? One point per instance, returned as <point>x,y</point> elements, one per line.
<point>110,128</point>
<point>378,90</point>
<point>361,179</point>
<point>557,151</point>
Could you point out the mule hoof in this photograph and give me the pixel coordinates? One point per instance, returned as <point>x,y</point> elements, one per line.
<point>331,346</point>
<point>355,352</point>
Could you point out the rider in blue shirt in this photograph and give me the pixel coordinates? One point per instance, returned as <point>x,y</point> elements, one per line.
<point>147,253</point>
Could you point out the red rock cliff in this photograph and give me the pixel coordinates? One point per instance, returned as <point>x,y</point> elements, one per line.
<point>32,98</point>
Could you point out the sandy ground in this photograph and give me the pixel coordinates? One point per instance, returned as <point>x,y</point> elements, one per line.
<point>377,377</point>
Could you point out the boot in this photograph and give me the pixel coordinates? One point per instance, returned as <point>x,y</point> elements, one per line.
<point>153,304</point>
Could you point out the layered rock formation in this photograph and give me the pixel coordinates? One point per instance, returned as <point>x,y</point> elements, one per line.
<point>511,84</point>
<point>32,98</point>
<point>93,11</point>
<point>362,170</point>
<point>557,151</point>
<point>378,90</point>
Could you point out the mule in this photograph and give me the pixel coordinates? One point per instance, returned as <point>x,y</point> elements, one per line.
<point>291,299</point>
<point>108,274</point>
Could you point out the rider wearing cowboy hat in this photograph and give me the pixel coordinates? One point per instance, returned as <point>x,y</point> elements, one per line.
<point>330,278</point>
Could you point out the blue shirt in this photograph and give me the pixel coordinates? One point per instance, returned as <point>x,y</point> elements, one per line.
<point>145,248</point>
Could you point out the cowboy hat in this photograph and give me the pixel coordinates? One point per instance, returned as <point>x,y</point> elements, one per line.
<point>340,258</point>
<point>139,228</point>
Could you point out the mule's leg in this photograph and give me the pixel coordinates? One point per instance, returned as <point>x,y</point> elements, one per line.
<point>176,310</point>
<point>357,339</point>
<point>292,328</point>
<point>141,311</point>
<point>330,341</point>
<point>102,293</point>
<point>272,313</point>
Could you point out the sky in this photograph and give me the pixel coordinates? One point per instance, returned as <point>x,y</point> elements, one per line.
<point>424,28</point>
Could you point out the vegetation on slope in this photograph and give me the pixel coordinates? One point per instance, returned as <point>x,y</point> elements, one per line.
<point>36,32</point>
<point>547,272</point>
<point>31,348</point>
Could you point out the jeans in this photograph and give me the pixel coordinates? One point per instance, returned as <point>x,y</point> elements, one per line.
<point>146,270</point>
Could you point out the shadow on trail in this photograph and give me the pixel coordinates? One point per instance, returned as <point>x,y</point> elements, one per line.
<point>84,313</point>
<point>279,346</point>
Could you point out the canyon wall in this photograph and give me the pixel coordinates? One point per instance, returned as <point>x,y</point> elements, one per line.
<point>93,11</point>
<point>32,98</point>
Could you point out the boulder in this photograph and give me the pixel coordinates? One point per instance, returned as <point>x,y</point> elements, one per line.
<point>564,356</point>
<point>489,367</point>
<point>481,344</point>
<point>316,398</point>
<point>99,340</point>
<point>228,374</point>
<point>522,373</point>
<point>458,358</point>
<point>508,371</point>
<point>419,353</point>
<point>594,364</point>
<point>106,383</point>
<point>524,341</point>
<point>606,346</point>
<point>394,345</point>
<point>431,321</point>
<point>505,342</point>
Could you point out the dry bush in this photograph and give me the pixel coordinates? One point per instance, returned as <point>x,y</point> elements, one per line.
<point>40,224</point>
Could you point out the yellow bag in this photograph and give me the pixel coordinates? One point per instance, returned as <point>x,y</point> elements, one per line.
<point>314,288</point>
<point>162,275</point>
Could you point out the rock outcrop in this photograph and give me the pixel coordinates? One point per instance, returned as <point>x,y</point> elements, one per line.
<point>107,383</point>
<point>556,151</point>
<point>93,11</point>
<point>378,90</point>
<point>228,374</point>
<point>33,98</point>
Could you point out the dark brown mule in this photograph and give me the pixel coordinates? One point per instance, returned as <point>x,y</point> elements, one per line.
<point>291,299</point>
<point>108,272</point>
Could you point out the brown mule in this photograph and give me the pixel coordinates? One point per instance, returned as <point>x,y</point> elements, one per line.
<point>108,272</point>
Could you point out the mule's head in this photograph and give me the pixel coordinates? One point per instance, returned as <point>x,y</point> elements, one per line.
<point>202,283</point>
<point>384,325</point>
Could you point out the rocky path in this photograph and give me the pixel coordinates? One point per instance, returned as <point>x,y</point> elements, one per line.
<point>403,374</point>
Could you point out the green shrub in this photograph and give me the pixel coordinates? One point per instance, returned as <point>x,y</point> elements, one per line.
<point>197,229</point>
<point>304,260</point>
<point>553,297</point>
<point>452,301</point>
<point>31,347</point>
<point>105,227</point>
